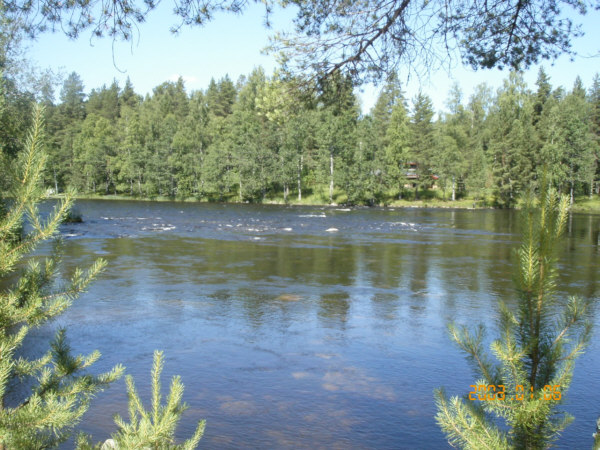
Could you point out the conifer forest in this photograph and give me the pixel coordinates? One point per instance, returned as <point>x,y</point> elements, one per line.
<point>263,138</point>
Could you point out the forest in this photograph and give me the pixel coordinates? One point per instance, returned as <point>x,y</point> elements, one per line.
<point>270,139</point>
<point>265,139</point>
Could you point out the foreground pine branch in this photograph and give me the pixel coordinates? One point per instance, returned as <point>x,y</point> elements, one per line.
<point>153,429</point>
<point>525,381</point>
<point>44,415</point>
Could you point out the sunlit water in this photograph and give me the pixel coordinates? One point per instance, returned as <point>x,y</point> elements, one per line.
<point>305,327</point>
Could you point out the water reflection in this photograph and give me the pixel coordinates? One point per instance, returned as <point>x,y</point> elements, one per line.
<point>303,338</point>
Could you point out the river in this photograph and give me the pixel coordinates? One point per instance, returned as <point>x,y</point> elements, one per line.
<point>305,327</point>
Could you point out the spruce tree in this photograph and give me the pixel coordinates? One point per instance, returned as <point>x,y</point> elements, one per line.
<point>535,352</point>
<point>41,399</point>
<point>398,151</point>
<point>511,145</point>
<point>422,144</point>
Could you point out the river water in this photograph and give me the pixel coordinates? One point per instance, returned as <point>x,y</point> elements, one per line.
<point>305,327</point>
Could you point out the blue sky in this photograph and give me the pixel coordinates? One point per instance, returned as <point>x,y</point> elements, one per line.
<point>232,45</point>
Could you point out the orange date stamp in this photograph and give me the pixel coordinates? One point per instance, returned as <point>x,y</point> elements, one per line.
<point>493,392</point>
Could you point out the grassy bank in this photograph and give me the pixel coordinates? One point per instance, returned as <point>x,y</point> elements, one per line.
<point>307,200</point>
<point>587,205</point>
<point>321,198</point>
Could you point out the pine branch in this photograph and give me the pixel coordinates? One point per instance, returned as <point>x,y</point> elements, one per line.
<point>466,427</point>
<point>531,351</point>
<point>155,428</point>
<point>61,391</point>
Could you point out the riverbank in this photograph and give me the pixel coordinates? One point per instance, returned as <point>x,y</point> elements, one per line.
<point>583,205</point>
<point>307,201</point>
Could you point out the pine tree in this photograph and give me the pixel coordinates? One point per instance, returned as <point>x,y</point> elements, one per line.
<point>150,429</point>
<point>390,104</point>
<point>535,352</point>
<point>511,146</point>
<point>571,147</point>
<point>544,89</point>
<point>449,162</point>
<point>44,415</point>
<point>422,145</point>
<point>478,178</point>
<point>398,151</point>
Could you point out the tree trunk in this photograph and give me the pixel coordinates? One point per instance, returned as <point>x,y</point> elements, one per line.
<point>330,177</point>
<point>286,191</point>
<point>572,193</point>
<point>300,178</point>
<point>453,189</point>
<point>56,183</point>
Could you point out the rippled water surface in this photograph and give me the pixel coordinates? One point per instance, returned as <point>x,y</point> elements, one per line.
<point>305,327</point>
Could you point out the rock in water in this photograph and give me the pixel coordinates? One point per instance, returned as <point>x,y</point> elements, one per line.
<point>289,298</point>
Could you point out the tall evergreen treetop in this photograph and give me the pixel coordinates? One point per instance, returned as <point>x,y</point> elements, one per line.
<point>422,146</point>
<point>105,102</point>
<point>544,89</point>
<point>578,88</point>
<point>388,98</point>
<point>72,97</point>
<point>390,95</point>
<point>171,98</point>
<point>221,96</point>
<point>128,96</point>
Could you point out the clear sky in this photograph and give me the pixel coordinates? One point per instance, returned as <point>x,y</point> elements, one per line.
<point>232,45</point>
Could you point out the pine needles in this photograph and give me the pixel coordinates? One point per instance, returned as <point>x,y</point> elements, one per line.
<point>524,383</point>
<point>61,390</point>
<point>154,429</point>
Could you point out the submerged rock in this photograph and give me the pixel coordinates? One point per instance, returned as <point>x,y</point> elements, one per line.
<point>289,298</point>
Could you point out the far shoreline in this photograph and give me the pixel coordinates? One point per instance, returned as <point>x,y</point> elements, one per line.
<point>590,206</point>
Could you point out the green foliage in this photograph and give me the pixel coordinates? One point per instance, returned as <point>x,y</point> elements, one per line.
<point>153,429</point>
<point>44,415</point>
<point>398,148</point>
<point>73,216</point>
<point>270,136</point>
<point>451,162</point>
<point>370,40</point>
<point>537,347</point>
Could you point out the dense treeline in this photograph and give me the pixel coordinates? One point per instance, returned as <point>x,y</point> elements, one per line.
<point>261,138</point>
